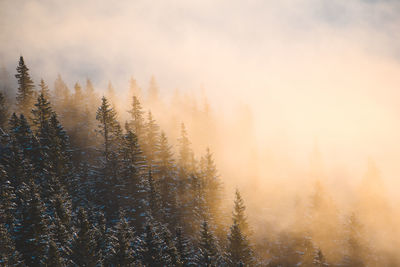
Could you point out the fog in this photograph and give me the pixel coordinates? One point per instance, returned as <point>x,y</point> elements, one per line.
<point>299,90</point>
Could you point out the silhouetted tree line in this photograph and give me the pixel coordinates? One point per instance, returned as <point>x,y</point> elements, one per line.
<point>80,189</point>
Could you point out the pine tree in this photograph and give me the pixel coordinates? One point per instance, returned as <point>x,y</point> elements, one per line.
<point>123,252</point>
<point>9,256</point>
<point>212,187</point>
<point>153,197</point>
<point>151,140</point>
<point>54,258</point>
<point>41,115</point>
<point>239,216</point>
<point>151,247</point>
<point>44,89</point>
<point>108,127</point>
<point>83,247</point>
<point>111,133</point>
<point>4,112</point>
<point>239,252</point>
<point>184,249</point>
<point>7,201</point>
<point>208,251</point>
<point>32,232</point>
<point>137,122</point>
<point>26,88</point>
<point>166,177</point>
<point>131,175</point>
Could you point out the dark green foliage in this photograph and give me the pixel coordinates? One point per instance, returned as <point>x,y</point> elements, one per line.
<point>137,122</point>
<point>9,256</point>
<point>151,137</point>
<point>44,89</point>
<point>208,252</point>
<point>123,253</point>
<point>4,112</point>
<point>166,180</point>
<point>151,247</point>
<point>184,249</point>
<point>31,232</point>
<point>26,88</point>
<point>84,252</point>
<point>238,250</point>
<point>238,215</point>
<point>53,256</point>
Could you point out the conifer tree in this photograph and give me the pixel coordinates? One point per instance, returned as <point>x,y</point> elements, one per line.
<point>131,174</point>
<point>108,127</point>
<point>53,256</point>
<point>212,187</point>
<point>238,250</point>
<point>153,197</point>
<point>166,177</point>
<point>7,201</point>
<point>26,88</point>
<point>151,247</point>
<point>151,140</point>
<point>83,247</point>
<point>44,89</point>
<point>123,252</point>
<point>32,232</point>
<point>184,249</point>
<point>9,256</point>
<point>208,251</point>
<point>137,122</point>
<point>40,117</point>
<point>239,216</point>
<point>4,112</point>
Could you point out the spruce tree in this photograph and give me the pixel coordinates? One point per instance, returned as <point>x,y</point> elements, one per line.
<point>123,254</point>
<point>208,251</point>
<point>151,140</point>
<point>26,88</point>
<point>238,250</point>
<point>132,173</point>
<point>184,249</point>
<point>151,246</point>
<point>53,256</point>
<point>32,232</point>
<point>83,247</point>
<point>166,177</point>
<point>108,127</point>
<point>7,201</point>
<point>212,187</point>
<point>4,113</point>
<point>9,256</point>
<point>136,122</point>
<point>238,215</point>
<point>44,89</point>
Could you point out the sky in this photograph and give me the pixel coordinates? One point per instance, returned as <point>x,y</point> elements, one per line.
<point>326,70</point>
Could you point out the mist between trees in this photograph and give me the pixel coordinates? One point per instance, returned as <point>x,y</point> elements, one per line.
<point>96,178</point>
